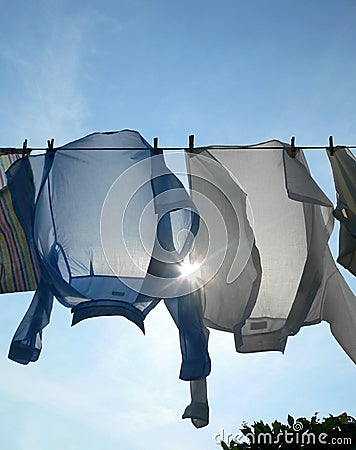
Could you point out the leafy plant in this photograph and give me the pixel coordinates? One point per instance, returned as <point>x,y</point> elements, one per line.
<point>330,433</point>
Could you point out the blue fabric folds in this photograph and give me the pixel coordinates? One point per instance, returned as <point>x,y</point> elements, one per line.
<point>99,214</point>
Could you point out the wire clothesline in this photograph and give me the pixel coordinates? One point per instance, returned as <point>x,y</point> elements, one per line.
<point>50,147</point>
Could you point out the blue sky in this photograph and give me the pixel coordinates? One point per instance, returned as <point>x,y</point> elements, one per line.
<point>230,72</point>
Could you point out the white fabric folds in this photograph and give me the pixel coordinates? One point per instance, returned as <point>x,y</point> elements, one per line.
<point>275,273</point>
<point>343,164</point>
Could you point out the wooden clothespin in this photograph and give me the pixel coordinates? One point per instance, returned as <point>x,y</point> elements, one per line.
<point>155,145</point>
<point>292,147</point>
<point>50,144</point>
<point>331,146</point>
<point>24,148</point>
<point>191,142</point>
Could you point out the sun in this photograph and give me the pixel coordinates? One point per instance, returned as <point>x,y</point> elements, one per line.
<point>187,268</point>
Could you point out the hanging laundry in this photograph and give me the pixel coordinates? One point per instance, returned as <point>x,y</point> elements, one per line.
<point>343,164</point>
<point>114,232</point>
<point>6,160</point>
<point>18,268</point>
<point>284,272</point>
<point>227,262</point>
<point>99,221</point>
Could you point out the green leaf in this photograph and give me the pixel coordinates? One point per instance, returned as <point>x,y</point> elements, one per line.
<point>330,423</point>
<point>290,420</point>
<point>276,426</point>
<point>314,418</point>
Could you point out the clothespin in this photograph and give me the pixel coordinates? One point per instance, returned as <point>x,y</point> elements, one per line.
<point>191,142</point>
<point>331,146</point>
<point>292,147</point>
<point>155,145</point>
<point>50,144</point>
<point>24,148</point>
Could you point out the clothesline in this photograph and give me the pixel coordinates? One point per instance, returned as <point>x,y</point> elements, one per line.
<point>10,151</point>
<point>25,149</point>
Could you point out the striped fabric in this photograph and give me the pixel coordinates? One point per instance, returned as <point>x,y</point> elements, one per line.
<point>18,269</point>
<point>5,162</point>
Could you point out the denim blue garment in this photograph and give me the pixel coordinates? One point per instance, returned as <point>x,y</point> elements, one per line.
<point>99,221</point>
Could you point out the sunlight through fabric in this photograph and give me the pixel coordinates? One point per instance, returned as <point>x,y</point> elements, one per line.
<point>189,269</point>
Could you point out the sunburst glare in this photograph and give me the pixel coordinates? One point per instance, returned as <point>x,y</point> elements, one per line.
<point>188,268</point>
